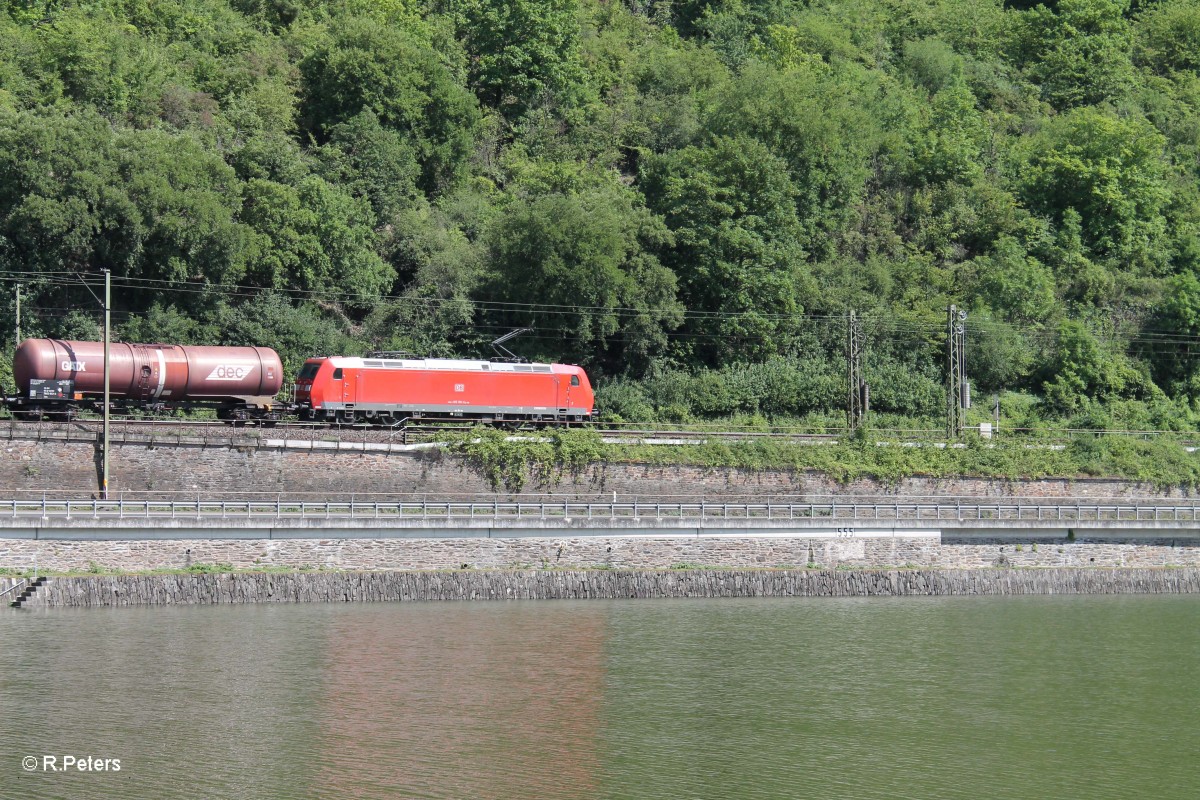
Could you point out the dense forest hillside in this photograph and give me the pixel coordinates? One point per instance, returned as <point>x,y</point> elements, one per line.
<point>687,198</point>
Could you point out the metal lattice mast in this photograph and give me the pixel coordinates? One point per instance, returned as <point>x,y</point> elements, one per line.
<point>856,393</point>
<point>957,394</point>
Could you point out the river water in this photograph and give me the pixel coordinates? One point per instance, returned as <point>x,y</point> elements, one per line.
<point>998,697</point>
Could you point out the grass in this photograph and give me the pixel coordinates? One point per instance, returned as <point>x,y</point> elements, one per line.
<point>543,460</point>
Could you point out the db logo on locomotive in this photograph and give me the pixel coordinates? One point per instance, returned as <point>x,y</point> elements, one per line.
<point>230,372</point>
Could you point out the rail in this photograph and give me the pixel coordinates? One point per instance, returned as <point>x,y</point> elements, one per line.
<point>181,431</point>
<point>569,510</point>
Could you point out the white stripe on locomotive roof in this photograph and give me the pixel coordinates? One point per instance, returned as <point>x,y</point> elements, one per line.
<point>354,362</point>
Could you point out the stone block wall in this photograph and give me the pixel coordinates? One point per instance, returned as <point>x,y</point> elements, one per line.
<point>70,468</point>
<point>130,590</point>
<point>619,552</point>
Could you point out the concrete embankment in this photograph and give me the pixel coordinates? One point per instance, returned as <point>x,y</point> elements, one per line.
<point>239,588</point>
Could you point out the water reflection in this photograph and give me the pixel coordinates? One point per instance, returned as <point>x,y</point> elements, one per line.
<point>857,698</point>
<point>455,703</point>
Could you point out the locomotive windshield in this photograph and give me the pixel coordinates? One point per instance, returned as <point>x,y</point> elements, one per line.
<point>308,372</point>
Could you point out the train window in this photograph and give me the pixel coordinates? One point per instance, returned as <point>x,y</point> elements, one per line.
<point>309,372</point>
<point>337,374</point>
<point>574,380</point>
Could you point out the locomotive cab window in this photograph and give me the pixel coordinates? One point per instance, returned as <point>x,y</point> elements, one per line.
<point>574,380</point>
<point>308,372</point>
<point>337,374</point>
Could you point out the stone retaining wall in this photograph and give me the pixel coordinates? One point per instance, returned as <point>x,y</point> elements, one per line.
<point>553,584</point>
<point>590,552</point>
<point>188,471</point>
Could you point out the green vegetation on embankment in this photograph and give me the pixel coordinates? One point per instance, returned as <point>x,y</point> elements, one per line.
<point>685,197</point>
<point>542,460</point>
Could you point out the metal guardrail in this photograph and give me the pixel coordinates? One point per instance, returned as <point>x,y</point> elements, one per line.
<point>566,510</point>
<point>16,587</point>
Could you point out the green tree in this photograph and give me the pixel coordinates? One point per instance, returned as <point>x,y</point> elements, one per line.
<point>1168,37</point>
<point>1077,51</point>
<point>522,52</point>
<point>737,250</point>
<point>1012,281</point>
<point>583,260</point>
<point>404,82</point>
<point>313,236</point>
<point>1111,171</point>
<point>806,117</point>
<point>1083,367</point>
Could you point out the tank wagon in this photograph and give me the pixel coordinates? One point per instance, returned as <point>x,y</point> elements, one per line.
<point>54,376</point>
<point>396,391</point>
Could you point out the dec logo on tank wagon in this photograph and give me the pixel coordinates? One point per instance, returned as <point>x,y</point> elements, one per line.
<point>231,372</point>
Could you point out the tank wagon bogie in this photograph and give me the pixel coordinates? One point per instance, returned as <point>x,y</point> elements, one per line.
<point>56,376</point>
<point>386,391</point>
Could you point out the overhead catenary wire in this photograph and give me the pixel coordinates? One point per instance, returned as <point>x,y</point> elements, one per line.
<point>874,321</point>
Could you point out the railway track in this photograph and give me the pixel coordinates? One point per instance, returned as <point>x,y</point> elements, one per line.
<point>211,430</point>
<point>216,431</point>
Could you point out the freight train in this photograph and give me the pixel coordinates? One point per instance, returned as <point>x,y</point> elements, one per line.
<point>56,378</point>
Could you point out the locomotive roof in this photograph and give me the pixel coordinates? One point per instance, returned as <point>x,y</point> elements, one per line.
<point>455,364</point>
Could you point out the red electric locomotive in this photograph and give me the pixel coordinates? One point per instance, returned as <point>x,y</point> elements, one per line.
<point>386,390</point>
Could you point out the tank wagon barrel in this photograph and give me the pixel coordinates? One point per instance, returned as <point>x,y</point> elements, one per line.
<point>59,371</point>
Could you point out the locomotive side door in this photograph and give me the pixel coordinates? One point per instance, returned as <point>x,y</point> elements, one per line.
<point>349,387</point>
